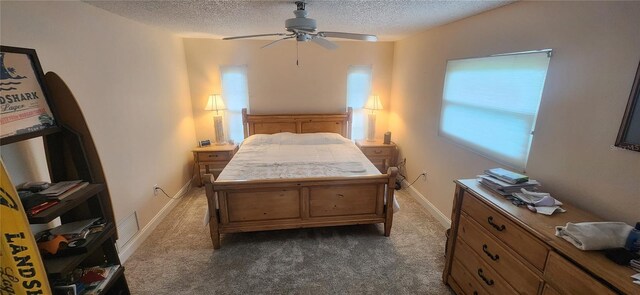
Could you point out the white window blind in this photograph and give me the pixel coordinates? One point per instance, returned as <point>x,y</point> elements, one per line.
<point>235,92</point>
<point>490,104</point>
<point>358,89</point>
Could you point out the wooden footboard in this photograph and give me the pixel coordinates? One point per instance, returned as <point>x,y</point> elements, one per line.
<point>258,205</point>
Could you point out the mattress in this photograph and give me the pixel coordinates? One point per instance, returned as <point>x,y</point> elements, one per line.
<point>290,155</point>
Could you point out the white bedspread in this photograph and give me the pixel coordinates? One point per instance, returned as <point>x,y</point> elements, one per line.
<point>289,155</point>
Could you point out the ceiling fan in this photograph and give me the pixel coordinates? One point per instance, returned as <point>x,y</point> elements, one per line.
<point>303,29</point>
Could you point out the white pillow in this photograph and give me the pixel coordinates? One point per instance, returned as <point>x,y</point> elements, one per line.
<point>258,139</point>
<point>288,138</point>
<point>311,138</point>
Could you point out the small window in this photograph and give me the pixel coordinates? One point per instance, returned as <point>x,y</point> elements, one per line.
<point>235,92</point>
<point>490,104</point>
<point>358,89</point>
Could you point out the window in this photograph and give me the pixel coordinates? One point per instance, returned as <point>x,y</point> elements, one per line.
<point>490,104</point>
<point>358,89</point>
<point>235,92</point>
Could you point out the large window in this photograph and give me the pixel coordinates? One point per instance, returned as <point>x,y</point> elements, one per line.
<point>490,104</point>
<point>235,92</point>
<point>358,89</point>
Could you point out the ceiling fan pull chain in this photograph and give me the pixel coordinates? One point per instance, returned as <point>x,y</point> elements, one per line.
<point>297,59</point>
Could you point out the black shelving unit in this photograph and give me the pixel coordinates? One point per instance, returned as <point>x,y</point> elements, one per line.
<point>72,155</point>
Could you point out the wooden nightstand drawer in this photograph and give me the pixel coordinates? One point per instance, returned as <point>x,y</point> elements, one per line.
<point>506,231</point>
<point>519,276</point>
<point>376,151</point>
<point>569,279</point>
<point>381,155</point>
<point>214,156</point>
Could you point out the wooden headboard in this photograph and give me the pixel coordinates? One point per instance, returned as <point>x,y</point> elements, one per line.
<point>297,123</point>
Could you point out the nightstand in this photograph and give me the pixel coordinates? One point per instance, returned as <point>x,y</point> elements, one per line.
<point>214,157</point>
<point>381,155</point>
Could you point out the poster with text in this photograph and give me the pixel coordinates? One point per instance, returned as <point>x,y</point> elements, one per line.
<point>23,107</point>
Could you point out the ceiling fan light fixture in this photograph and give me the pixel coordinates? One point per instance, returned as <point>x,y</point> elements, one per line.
<point>302,24</point>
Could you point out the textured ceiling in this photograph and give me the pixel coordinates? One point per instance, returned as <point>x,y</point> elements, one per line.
<point>390,20</point>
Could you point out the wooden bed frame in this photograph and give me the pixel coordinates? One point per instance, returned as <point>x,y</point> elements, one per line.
<point>258,205</point>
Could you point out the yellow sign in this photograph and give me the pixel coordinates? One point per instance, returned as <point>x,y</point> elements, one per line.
<point>21,268</point>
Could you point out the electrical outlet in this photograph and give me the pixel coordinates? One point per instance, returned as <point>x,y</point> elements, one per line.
<point>155,190</point>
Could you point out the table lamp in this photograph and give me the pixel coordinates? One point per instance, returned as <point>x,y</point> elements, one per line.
<point>373,105</point>
<point>215,103</point>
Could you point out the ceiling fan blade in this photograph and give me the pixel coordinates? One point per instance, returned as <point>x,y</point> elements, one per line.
<point>274,42</point>
<point>253,36</point>
<point>353,36</point>
<point>324,43</point>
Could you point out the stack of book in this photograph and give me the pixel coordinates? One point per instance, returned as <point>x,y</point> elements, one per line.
<point>96,278</point>
<point>86,281</point>
<point>505,182</point>
<point>56,193</point>
<point>63,189</point>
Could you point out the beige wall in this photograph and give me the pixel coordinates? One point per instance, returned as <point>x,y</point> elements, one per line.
<point>276,84</point>
<point>130,81</point>
<point>596,53</point>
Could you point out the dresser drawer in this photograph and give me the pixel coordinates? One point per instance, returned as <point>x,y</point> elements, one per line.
<point>569,279</point>
<point>519,276</point>
<point>376,151</point>
<point>213,156</point>
<point>481,271</point>
<point>508,232</point>
<point>465,280</point>
<point>548,290</point>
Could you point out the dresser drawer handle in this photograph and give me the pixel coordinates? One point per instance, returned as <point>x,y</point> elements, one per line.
<point>213,156</point>
<point>497,227</point>
<point>493,257</point>
<point>489,282</point>
<point>377,151</point>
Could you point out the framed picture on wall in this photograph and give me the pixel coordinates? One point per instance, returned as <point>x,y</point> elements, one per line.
<point>24,108</point>
<point>629,134</point>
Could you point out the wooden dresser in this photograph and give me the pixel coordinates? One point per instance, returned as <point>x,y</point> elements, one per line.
<point>496,247</point>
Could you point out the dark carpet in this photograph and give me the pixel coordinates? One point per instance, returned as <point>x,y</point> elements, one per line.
<point>178,257</point>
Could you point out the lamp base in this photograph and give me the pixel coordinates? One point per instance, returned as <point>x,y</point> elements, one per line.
<point>371,127</point>
<point>217,124</point>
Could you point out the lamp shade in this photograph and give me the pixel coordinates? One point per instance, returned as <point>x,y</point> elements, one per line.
<point>373,103</point>
<point>215,103</point>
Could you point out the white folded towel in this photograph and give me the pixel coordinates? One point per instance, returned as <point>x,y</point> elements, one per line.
<point>595,235</point>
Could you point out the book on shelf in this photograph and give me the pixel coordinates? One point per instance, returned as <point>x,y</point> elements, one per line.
<point>70,191</point>
<point>507,176</point>
<point>60,188</point>
<point>96,278</point>
<point>44,206</point>
<point>76,229</point>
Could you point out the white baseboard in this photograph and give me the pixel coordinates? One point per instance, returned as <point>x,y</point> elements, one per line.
<point>420,198</point>
<point>140,236</point>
